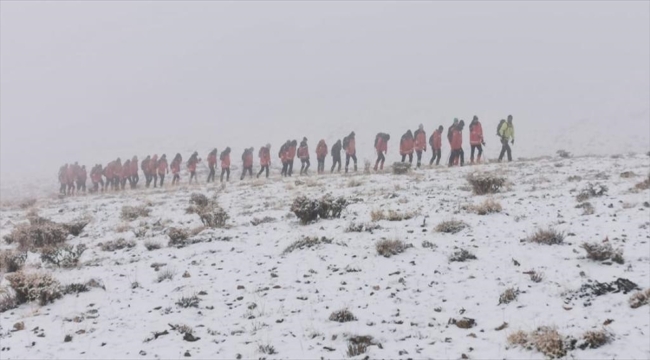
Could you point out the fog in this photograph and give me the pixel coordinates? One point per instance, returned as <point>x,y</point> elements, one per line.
<point>93,81</point>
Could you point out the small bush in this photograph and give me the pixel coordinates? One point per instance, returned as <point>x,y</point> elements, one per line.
<point>388,248</point>
<point>535,276</point>
<point>39,287</point>
<point>27,203</point>
<point>308,210</point>
<point>627,174</point>
<point>76,227</point>
<point>358,345</point>
<point>152,245</point>
<point>199,200</point>
<point>130,213</point>
<point>331,208</point>
<point>167,274</point>
<point>264,220</point>
<point>486,183</point>
<point>587,208</point>
<point>644,185</point>
<point>590,191</point>
<point>574,178</point>
<point>267,349</point>
<point>391,215</point>
<point>508,296</point>
<point>564,154</point>
<point>463,323</point>
<point>118,244</point>
<point>549,342</point>
<point>462,255</point>
<point>177,236</point>
<point>342,316</point>
<point>361,227</point>
<point>75,288</point>
<point>547,237</point>
<point>518,338</point>
<point>213,216</point>
<point>451,226</point>
<point>65,256</point>
<point>7,299</point>
<point>603,251</point>
<point>639,299</point>
<point>489,206</point>
<point>400,168</point>
<point>37,234</point>
<point>12,260</point>
<point>305,243</point>
<point>188,301</point>
<point>595,339</point>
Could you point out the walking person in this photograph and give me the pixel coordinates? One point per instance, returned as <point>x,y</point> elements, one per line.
<point>225,164</point>
<point>247,160</point>
<point>381,146</point>
<point>134,172</point>
<point>350,146</point>
<point>291,155</point>
<point>191,166</point>
<point>420,143</point>
<point>435,141</point>
<point>265,160</point>
<point>283,154</point>
<point>144,166</point>
<point>406,144</point>
<point>153,169</point>
<point>476,140</point>
<point>336,155</point>
<point>163,169</point>
<point>457,145</point>
<point>321,153</point>
<point>175,168</point>
<point>507,134</point>
<point>303,155</point>
<point>212,163</point>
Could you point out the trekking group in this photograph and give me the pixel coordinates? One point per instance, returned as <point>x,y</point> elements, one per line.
<point>115,175</point>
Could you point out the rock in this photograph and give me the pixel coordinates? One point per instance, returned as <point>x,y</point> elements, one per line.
<point>187,354</point>
<point>143,353</point>
<point>191,338</point>
<point>67,338</point>
<point>186,274</point>
<point>240,287</point>
<point>19,326</point>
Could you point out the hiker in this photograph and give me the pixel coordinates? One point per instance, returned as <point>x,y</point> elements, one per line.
<point>96,178</point>
<point>117,174</point>
<point>63,179</point>
<point>451,128</point>
<point>71,177</point>
<point>291,155</point>
<point>457,145</point>
<point>321,153</point>
<point>163,169</point>
<point>175,168</point>
<point>420,143</point>
<point>476,140</point>
<point>507,134</point>
<point>247,159</point>
<point>381,146</point>
<point>108,174</point>
<point>336,155</point>
<point>191,166</point>
<point>126,173</point>
<point>303,155</point>
<point>503,121</point>
<point>212,163</point>
<point>144,166</point>
<point>82,177</point>
<point>350,147</point>
<point>435,141</point>
<point>225,164</point>
<point>153,169</point>
<point>406,146</point>
<point>134,172</point>
<point>283,154</point>
<point>265,160</point>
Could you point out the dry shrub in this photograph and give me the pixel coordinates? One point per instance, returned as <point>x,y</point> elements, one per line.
<point>451,226</point>
<point>518,338</point>
<point>362,227</point>
<point>546,237</point>
<point>77,226</point>
<point>267,349</point>
<point>38,233</point>
<point>461,255</point>
<point>627,174</point>
<point>463,323</point>
<point>130,213</point>
<point>198,199</point>
<point>603,251</point>
<point>309,210</point>
<point>644,185</point>
<point>123,227</point>
<point>213,216</point>
<point>564,154</point>
<point>177,236</point>
<point>305,243</point>
<point>392,215</point>
<point>167,274</point>
<point>7,299</point>
<point>118,244</point>
<point>39,287</point>
<point>342,316</point>
<point>574,178</point>
<point>545,339</point>
<point>508,296</point>
<point>27,203</point>
<point>587,208</point>
<point>489,206</point>
<point>12,260</point>
<point>65,256</point>
<point>354,183</point>
<point>639,299</point>
<point>486,183</point>
<point>358,344</point>
<point>152,245</point>
<point>188,301</point>
<point>388,248</point>
<point>535,276</point>
<point>264,220</point>
<point>591,190</point>
<point>595,339</point>
<point>400,168</point>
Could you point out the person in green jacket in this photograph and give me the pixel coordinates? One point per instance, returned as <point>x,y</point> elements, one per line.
<point>507,133</point>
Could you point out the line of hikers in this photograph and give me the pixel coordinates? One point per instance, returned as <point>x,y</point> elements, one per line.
<point>117,174</point>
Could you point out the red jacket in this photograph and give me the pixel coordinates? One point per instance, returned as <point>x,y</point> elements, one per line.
<point>406,146</point>
<point>436,140</point>
<point>291,152</point>
<point>212,159</point>
<point>321,150</point>
<point>95,175</point>
<point>351,149</point>
<point>175,167</point>
<point>134,166</point>
<point>191,164</point>
<point>126,169</point>
<point>153,165</point>
<point>382,145</point>
<point>476,134</point>
<point>456,139</point>
<point>247,158</point>
<point>108,170</point>
<point>162,167</point>
<point>420,140</point>
<point>117,170</point>
<point>225,161</point>
<point>82,175</point>
<point>303,152</point>
<point>265,156</point>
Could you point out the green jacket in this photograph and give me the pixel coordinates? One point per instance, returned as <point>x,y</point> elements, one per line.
<point>507,131</point>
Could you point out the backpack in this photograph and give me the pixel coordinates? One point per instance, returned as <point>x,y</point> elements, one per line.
<point>499,128</point>
<point>346,141</point>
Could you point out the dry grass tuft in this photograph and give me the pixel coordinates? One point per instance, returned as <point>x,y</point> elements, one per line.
<point>392,215</point>
<point>309,210</point>
<point>354,183</point>
<point>342,316</point>
<point>177,236</point>
<point>65,256</point>
<point>451,226</point>
<point>545,339</point>
<point>37,234</point>
<point>362,227</point>
<point>130,213</point>
<point>152,245</point>
<point>118,244</point>
<point>123,227</point>
<point>595,339</point>
<point>12,260</point>
<point>518,338</point>
<point>358,344</point>
<point>508,296</point>
<point>644,185</point>
<point>306,243</point>
<point>7,299</point>
<point>489,206</point>
<point>535,276</point>
<point>461,255</point>
<point>546,237</point>
<point>603,251</point>
<point>639,299</point>
<point>486,183</point>
<point>388,248</point>
<point>41,287</point>
<point>591,190</point>
<point>574,178</point>
<point>587,208</point>
<point>400,168</point>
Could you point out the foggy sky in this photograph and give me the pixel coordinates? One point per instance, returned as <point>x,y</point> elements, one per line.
<point>91,81</point>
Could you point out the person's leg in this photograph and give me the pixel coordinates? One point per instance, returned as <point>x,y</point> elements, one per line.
<point>243,173</point>
<point>404,158</point>
<point>383,160</point>
<point>227,174</point>
<point>302,166</point>
<point>509,151</point>
<point>347,162</point>
<point>411,158</point>
<point>480,153</point>
<point>162,179</point>
<point>267,171</point>
<point>155,179</point>
<point>471,156</point>
<point>461,154</point>
<point>307,166</point>
<point>291,166</point>
<point>136,180</point>
<point>223,172</point>
<point>354,157</point>
<point>419,157</point>
<point>439,152</point>
<point>261,171</point>
<point>451,158</point>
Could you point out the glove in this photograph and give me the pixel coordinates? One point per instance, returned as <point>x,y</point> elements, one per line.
<point>483,142</point>
<point>513,141</point>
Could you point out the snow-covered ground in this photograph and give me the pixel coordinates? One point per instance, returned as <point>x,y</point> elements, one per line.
<point>254,296</point>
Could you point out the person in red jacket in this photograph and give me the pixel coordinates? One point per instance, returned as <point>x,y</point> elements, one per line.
<point>225,164</point>
<point>175,168</point>
<point>420,143</point>
<point>96,178</point>
<point>450,129</point>
<point>321,154</point>
<point>134,172</point>
<point>247,162</point>
<point>162,169</point>
<point>117,173</point>
<point>476,140</point>
<point>108,173</point>
<point>265,160</point>
<point>381,146</point>
<point>144,166</point>
<point>303,155</point>
<point>63,179</point>
<point>126,173</point>
<point>283,155</point>
<point>291,156</point>
<point>212,163</point>
<point>191,166</point>
<point>435,141</point>
<point>153,169</point>
<point>406,145</point>
<point>71,177</point>
<point>350,146</point>
<point>82,177</point>
<point>457,145</point>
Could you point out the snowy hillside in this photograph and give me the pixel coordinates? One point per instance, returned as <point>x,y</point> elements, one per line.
<point>267,286</point>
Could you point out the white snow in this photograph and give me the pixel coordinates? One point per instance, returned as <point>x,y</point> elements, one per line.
<point>393,298</point>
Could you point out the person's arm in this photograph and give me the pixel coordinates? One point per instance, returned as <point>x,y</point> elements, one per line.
<point>513,135</point>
